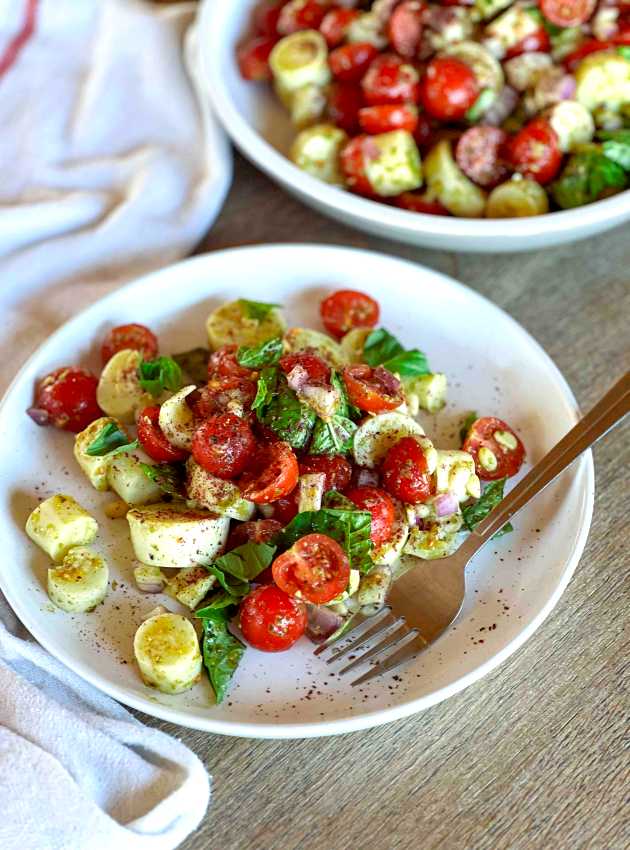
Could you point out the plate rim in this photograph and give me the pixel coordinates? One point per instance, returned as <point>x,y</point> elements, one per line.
<point>318,728</point>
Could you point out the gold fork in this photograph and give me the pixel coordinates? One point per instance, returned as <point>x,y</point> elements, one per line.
<point>424,602</point>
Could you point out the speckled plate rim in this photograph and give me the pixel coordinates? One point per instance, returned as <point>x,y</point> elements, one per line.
<point>379,717</point>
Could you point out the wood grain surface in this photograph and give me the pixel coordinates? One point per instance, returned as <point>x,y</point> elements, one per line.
<point>531,757</point>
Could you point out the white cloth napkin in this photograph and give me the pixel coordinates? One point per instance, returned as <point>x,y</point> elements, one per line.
<point>109,168</point>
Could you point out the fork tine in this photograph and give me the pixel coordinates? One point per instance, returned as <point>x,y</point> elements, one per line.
<point>405,653</point>
<point>359,621</point>
<point>394,638</point>
<point>383,624</point>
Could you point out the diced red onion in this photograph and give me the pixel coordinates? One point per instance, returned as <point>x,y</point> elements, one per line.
<point>389,381</point>
<point>39,416</point>
<point>367,477</point>
<point>445,504</point>
<point>501,107</point>
<point>321,622</point>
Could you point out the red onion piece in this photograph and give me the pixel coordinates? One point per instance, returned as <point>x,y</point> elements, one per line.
<point>389,381</point>
<point>445,504</point>
<point>367,477</point>
<point>502,106</point>
<point>39,416</point>
<point>321,622</point>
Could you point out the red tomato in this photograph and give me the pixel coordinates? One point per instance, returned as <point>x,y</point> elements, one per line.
<point>336,468</point>
<point>223,363</point>
<point>220,392</point>
<point>66,398</point>
<point>417,202</point>
<point>353,165</point>
<point>256,531</point>
<point>380,506</point>
<point>253,57</point>
<point>302,15</point>
<point>567,13</point>
<point>478,154</point>
<point>315,569</point>
<point>390,79</point>
<point>266,15</point>
<point>404,472</point>
<point>389,116</point>
<point>153,440</point>
<point>375,390</point>
<point>335,25</point>
<point>344,102</point>
<point>286,508</point>
<point>404,28</point>
<point>423,133</point>
<point>133,336</point>
<point>347,309</point>
<point>273,474</point>
<point>457,2</point>
<point>572,61</point>
<point>271,620</point>
<point>535,152</point>
<point>318,372</point>
<point>448,88</point>
<point>223,445</point>
<point>349,62</point>
<point>482,435</point>
<point>535,42</point>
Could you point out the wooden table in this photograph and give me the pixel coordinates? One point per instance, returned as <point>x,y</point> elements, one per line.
<point>531,756</point>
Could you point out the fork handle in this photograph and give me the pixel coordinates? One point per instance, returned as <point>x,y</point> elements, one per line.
<point>605,415</point>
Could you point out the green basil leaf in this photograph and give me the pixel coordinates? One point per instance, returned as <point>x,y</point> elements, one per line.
<point>618,151</point>
<point>624,50</point>
<point>160,374</point>
<point>479,108</point>
<point>409,364</point>
<point>383,349</point>
<point>335,499</point>
<point>169,477</point>
<point>266,354</point>
<point>233,587</point>
<point>194,363</point>
<point>266,389</point>
<point>222,652</point>
<point>345,408</point>
<point>218,602</point>
<point>258,310</point>
<point>479,510</point>
<point>334,437</point>
<point>247,561</point>
<point>289,418</point>
<point>587,177</point>
<point>109,441</point>
<point>350,528</point>
<point>468,421</point>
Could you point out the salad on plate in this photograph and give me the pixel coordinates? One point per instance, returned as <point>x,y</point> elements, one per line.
<point>495,108</point>
<point>275,483</point>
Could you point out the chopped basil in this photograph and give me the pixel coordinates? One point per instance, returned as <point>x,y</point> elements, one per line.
<point>345,408</point>
<point>466,425</point>
<point>279,408</point>
<point>267,384</point>
<point>243,564</point>
<point>616,146</point>
<point>258,310</point>
<point>335,499</point>
<point>221,599</point>
<point>350,528</point>
<point>222,651</point>
<point>268,353</point>
<point>587,177</point>
<point>481,105</point>
<point>383,349</point>
<point>624,50</point>
<point>170,477</point>
<point>194,363</point>
<point>110,440</point>
<point>160,374</point>
<point>479,510</point>
<point>332,437</point>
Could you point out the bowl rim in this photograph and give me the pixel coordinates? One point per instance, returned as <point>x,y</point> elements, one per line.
<point>276,165</point>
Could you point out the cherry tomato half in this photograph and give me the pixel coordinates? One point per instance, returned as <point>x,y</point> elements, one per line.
<point>153,440</point>
<point>479,155</point>
<point>66,399</point>
<point>255,531</point>
<point>387,117</point>
<point>344,102</point>
<point>420,203</point>
<point>302,15</point>
<point>535,42</point>
<point>567,13</point>
<point>497,450</point>
<point>390,79</point>
<point>252,57</point>
<point>349,62</point>
<point>271,620</point>
<point>266,15</point>
<point>404,28</point>
<point>404,472</point>
<point>220,392</point>
<point>272,475</point>
<point>448,88</point>
<point>315,569</point>
<point>285,508</point>
<point>535,151</point>
<point>223,445</point>
<point>380,506</point>
<point>136,337</point>
<point>335,25</point>
<point>223,364</point>
<point>374,390</point>
<point>353,159</point>
<point>318,372</point>
<point>336,468</point>
<point>347,309</point>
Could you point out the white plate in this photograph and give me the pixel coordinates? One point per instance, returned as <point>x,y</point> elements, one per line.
<point>494,367</point>
<point>260,128</point>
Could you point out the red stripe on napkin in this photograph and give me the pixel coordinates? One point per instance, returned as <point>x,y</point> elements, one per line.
<point>20,38</point>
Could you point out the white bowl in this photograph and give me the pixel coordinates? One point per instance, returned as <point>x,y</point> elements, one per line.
<point>260,128</point>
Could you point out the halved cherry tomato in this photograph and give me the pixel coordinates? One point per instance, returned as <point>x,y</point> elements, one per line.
<point>153,440</point>
<point>315,569</point>
<point>302,15</point>
<point>266,15</point>
<point>255,531</point>
<point>223,445</point>
<point>253,57</point>
<point>349,62</point>
<point>335,25</point>
<point>347,309</point>
<point>380,506</point>
<point>318,372</point>
<point>336,468</point>
<point>404,472</point>
<point>66,399</point>
<point>418,202</point>
<point>271,620</point>
<point>220,392</point>
<point>389,116</point>
<point>223,363</point>
<point>535,151</point>
<point>535,42</point>
<point>479,154</point>
<point>353,159</point>
<point>286,508</point>
<point>572,61</point>
<point>496,439</point>
<point>137,337</point>
<point>390,79</point>
<point>344,102</point>
<point>405,26</point>
<point>448,88</point>
<point>272,474</point>
<point>567,13</point>
<point>374,390</point>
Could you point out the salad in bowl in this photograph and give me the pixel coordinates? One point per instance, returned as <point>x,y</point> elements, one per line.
<point>274,484</point>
